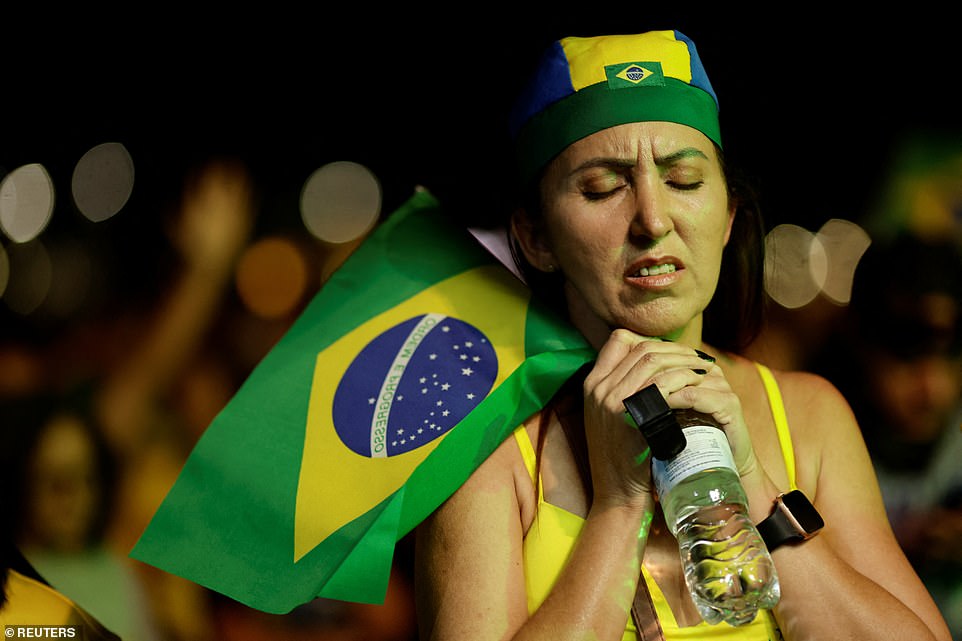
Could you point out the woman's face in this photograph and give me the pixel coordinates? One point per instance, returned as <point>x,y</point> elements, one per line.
<point>64,486</point>
<point>636,217</point>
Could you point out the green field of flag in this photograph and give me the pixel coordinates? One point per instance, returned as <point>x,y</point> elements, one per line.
<point>410,365</point>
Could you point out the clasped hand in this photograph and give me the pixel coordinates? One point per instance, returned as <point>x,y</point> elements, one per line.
<point>618,453</point>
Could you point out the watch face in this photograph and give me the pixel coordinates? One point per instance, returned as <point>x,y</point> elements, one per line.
<point>803,511</point>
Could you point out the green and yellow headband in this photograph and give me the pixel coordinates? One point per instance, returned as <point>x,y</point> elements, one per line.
<point>584,85</point>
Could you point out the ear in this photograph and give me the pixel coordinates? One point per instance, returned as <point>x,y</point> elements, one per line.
<point>531,239</point>
<point>732,208</point>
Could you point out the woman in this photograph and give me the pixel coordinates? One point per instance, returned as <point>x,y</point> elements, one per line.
<point>634,219</point>
<point>59,475</point>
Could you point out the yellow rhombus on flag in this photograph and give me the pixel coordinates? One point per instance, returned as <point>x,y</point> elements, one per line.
<point>413,362</point>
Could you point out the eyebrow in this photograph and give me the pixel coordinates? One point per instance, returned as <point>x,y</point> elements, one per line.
<point>661,161</point>
<point>681,154</point>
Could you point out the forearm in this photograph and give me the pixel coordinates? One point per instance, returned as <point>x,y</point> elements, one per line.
<point>593,595</point>
<point>823,597</point>
<point>175,330</point>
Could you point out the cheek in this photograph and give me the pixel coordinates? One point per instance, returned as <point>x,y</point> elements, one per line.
<point>712,223</point>
<point>588,255</point>
<point>715,213</point>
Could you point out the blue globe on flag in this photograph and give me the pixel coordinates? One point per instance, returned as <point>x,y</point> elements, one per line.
<point>412,384</point>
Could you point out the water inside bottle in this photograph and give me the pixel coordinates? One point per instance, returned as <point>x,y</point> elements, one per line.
<point>727,568</point>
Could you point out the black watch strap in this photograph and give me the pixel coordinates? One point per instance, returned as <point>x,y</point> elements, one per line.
<point>777,530</point>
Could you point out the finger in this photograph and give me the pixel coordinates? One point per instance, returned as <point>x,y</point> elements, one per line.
<point>671,366</point>
<point>613,362</point>
<point>619,344</point>
<point>629,362</point>
<point>675,379</point>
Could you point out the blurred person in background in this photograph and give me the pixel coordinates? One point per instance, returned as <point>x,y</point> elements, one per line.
<point>140,397</point>
<point>58,475</point>
<point>153,371</point>
<point>128,361</point>
<point>898,359</point>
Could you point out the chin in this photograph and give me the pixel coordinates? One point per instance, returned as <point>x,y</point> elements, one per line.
<point>668,332</point>
<point>653,325</point>
<point>665,317</point>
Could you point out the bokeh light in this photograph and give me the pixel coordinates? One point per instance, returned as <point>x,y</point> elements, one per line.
<point>845,242</point>
<point>102,181</point>
<point>26,202</point>
<point>340,202</point>
<point>801,265</point>
<point>272,277</point>
<point>795,265</point>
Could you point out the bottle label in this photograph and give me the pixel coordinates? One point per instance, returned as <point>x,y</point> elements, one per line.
<point>707,448</point>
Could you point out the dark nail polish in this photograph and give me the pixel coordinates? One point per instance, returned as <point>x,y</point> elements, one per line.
<point>700,371</point>
<point>705,357</point>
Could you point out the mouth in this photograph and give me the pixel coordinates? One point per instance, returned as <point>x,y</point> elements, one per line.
<point>654,270</point>
<point>654,266</point>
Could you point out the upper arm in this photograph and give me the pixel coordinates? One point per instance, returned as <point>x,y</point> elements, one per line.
<point>836,471</point>
<point>469,572</point>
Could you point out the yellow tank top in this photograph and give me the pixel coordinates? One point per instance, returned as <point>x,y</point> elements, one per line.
<point>554,530</point>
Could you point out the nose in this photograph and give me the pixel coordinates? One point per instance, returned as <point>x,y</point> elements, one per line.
<point>650,220</point>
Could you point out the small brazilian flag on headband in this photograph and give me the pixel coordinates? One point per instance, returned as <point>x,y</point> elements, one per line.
<point>584,85</point>
<point>409,367</point>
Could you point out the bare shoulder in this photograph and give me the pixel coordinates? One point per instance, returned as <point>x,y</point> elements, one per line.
<point>504,473</point>
<point>820,422</point>
<point>813,400</point>
<point>805,395</point>
<point>468,552</point>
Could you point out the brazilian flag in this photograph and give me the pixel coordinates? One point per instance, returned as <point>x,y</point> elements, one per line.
<point>408,368</point>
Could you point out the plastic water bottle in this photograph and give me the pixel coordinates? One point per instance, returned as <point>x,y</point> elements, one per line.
<point>728,569</point>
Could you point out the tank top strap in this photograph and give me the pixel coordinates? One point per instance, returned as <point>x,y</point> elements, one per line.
<point>529,455</point>
<point>781,421</point>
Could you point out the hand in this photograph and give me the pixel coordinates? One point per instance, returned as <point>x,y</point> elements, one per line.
<point>216,217</point>
<point>712,394</point>
<point>627,362</point>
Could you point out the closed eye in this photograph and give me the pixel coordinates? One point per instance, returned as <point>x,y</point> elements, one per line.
<point>601,195</point>
<point>686,186</point>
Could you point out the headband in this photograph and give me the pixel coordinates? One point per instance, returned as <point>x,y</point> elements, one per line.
<point>584,85</point>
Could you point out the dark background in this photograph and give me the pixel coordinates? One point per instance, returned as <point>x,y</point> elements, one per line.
<point>813,100</point>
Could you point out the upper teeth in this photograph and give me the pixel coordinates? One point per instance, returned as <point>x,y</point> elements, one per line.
<point>656,270</point>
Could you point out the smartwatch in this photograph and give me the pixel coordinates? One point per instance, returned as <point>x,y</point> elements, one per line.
<point>792,520</point>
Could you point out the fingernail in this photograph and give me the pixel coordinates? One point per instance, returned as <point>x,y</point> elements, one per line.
<point>700,371</point>
<point>705,357</point>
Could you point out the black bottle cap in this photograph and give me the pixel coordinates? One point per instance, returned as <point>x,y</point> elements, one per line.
<point>657,422</point>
